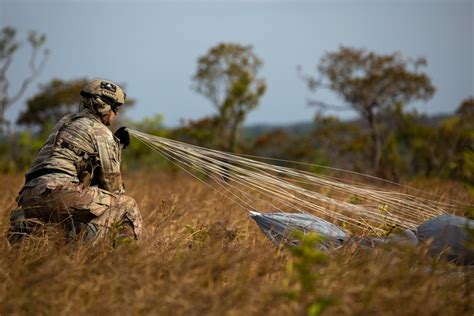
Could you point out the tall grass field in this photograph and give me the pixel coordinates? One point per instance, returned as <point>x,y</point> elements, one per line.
<point>203,255</point>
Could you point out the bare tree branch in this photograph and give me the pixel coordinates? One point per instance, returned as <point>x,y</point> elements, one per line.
<point>35,72</point>
<point>327,106</point>
<point>6,65</point>
<point>311,81</point>
<point>34,53</point>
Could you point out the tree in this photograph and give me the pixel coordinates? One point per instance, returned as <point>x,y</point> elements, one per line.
<point>466,109</point>
<point>196,132</point>
<point>55,99</point>
<point>8,47</point>
<point>227,76</point>
<point>341,143</point>
<point>371,84</point>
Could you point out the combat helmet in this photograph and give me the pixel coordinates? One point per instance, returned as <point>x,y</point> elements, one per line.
<point>104,94</point>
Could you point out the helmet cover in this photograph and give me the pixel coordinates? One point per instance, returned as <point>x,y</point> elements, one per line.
<point>108,91</point>
<point>102,96</point>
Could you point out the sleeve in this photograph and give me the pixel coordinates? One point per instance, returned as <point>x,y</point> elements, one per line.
<point>108,174</point>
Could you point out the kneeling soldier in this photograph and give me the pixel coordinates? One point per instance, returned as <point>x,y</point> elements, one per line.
<point>75,178</point>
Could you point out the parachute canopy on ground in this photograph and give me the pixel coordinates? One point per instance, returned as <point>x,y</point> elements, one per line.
<point>278,227</point>
<point>450,235</point>
<point>454,233</point>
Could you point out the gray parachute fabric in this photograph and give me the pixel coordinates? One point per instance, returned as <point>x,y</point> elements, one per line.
<point>405,237</point>
<point>450,235</point>
<point>278,227</point>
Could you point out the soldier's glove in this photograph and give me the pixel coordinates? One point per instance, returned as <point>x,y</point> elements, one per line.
<point>123,135</point>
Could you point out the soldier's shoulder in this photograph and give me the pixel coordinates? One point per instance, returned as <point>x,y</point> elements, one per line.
<point>63,120</point>
<point>90,124</point>
<point>100,129</point>
<point>85,124</point>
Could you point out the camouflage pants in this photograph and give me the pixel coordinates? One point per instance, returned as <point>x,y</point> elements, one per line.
<point>88,207</point>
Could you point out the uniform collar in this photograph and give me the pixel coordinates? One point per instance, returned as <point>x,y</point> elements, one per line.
<point>89,114</point>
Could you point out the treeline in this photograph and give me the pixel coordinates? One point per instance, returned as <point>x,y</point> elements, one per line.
<point>385,140</point>
<point>415,145</point>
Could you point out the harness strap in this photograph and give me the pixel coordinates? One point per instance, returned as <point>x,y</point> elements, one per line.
<point>78,151</point>
<point>42,172</point>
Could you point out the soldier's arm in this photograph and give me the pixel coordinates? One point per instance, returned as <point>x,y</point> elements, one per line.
<point>108,174</point>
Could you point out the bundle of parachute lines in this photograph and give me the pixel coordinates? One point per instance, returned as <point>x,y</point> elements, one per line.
<point>282,199</point>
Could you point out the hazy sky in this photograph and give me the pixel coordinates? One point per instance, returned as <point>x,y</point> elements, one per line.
<point>152,46</point>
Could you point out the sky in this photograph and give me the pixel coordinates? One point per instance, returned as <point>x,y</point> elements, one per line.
<point>153,46</point>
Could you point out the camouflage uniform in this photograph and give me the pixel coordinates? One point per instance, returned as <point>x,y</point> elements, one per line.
<point>58,185</point>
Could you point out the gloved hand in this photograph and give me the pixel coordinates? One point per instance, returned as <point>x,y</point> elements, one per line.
<point>123,135</point>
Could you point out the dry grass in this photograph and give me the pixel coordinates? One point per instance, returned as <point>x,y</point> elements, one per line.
<point>203,255</point>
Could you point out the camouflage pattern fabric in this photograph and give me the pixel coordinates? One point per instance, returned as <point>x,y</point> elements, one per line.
<point>80,144</point>
<point>58,202</point>
<point>80,149</point>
